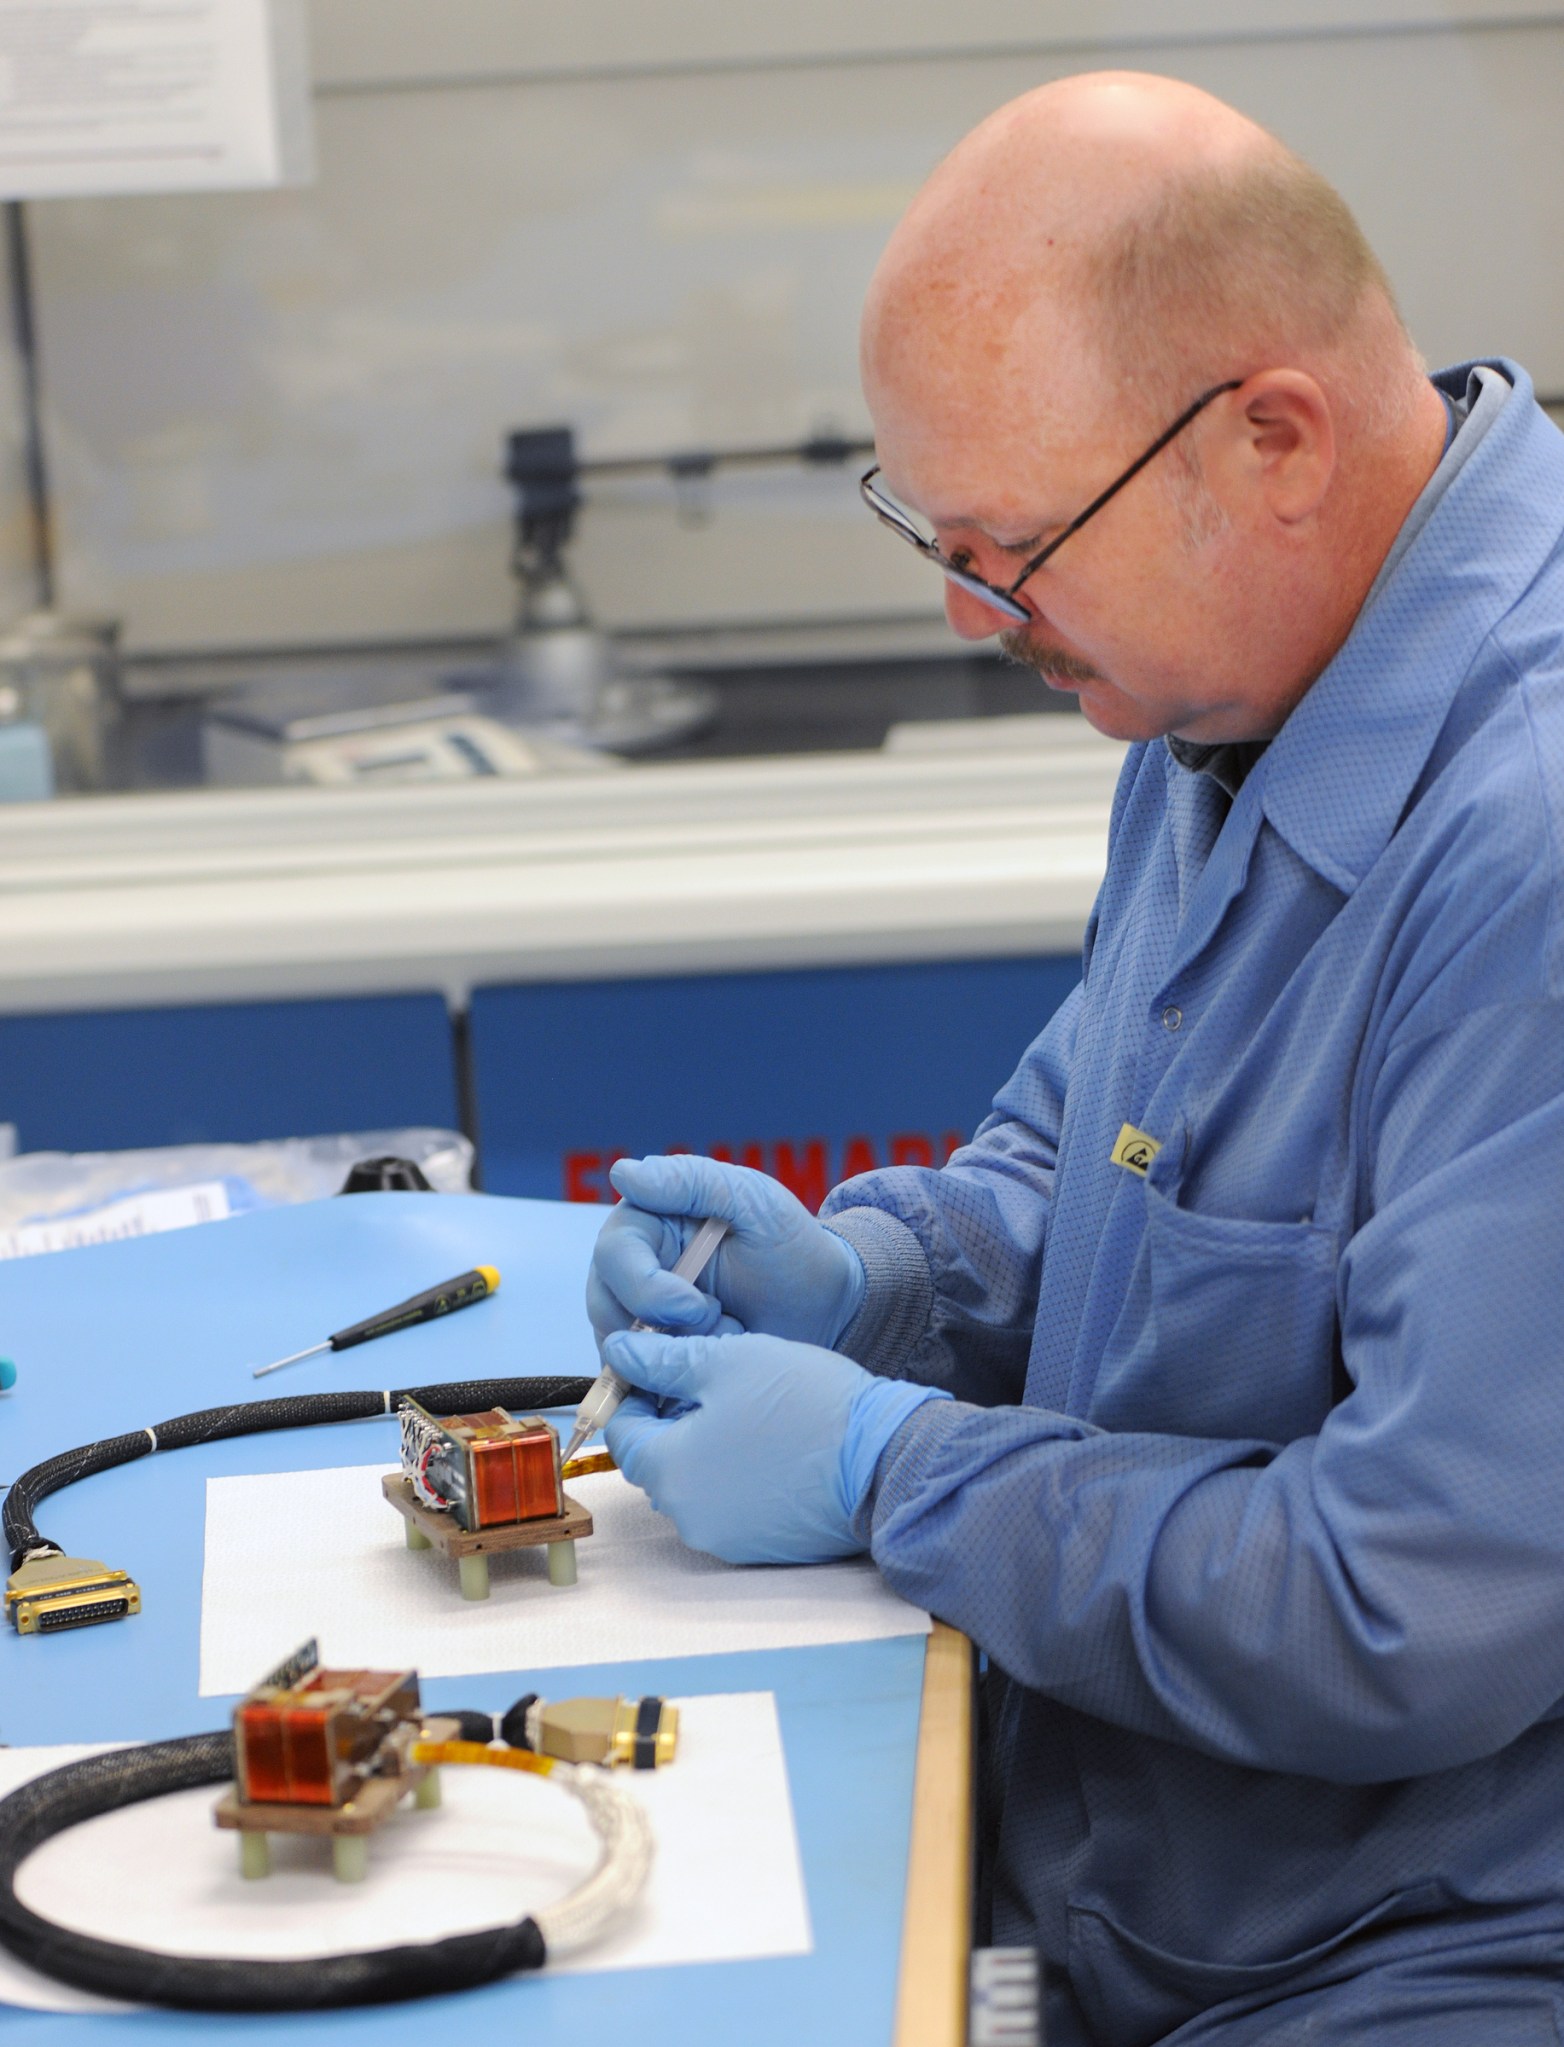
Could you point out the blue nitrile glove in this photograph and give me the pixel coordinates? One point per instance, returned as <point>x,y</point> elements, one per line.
<point>775,1451</point>
<point>777,1270</point>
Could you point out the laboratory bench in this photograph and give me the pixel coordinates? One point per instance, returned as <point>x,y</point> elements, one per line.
<point>864,1794</point>
<point>783,692</point>
<point>816,936</point>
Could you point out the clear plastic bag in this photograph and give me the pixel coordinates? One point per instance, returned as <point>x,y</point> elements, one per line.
<point>57,1200</point>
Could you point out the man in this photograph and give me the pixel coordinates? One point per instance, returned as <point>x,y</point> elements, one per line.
<point>1216,1388</point>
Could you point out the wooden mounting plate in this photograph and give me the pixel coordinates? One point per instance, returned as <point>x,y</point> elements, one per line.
<point>452,1540</point>
<point>371,1805</point>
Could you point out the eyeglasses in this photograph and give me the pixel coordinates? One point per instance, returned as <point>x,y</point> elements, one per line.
<point>889,513</point>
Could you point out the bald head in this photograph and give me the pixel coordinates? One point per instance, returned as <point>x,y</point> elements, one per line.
<point>1134,233</point>
<point>1075,274</point>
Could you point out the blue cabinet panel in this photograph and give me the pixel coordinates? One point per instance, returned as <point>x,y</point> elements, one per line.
<point>812,1076</point>
<point>106,1080</point>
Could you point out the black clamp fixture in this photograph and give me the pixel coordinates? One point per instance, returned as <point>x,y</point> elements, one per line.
<point>558,672</point>
<point>541,463</point>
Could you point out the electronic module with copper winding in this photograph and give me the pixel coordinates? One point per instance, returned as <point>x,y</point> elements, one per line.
<point>49,1592</point>
<point>473,1485</point>
<point>332,1754</point>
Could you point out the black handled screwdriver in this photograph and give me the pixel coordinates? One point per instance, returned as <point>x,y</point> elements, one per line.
<point>461,1292</point>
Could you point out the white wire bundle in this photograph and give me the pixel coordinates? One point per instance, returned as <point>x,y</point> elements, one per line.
<point>626,1836</point>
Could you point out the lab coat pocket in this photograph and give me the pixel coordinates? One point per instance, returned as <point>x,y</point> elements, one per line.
<point>1134,1993</point>
<point>1228,1327</point>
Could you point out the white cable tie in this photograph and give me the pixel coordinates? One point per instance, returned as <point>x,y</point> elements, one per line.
<point>385,1403</point>
<point>151,1436</point>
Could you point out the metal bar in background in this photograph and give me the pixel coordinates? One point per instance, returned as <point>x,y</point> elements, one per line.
<point>821,451</point>
<point>19,271</point>
<point>466,1083</point>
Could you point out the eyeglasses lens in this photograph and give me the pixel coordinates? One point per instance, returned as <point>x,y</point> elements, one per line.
<point>896,519</point>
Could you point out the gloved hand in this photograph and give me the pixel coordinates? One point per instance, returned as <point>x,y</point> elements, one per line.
<point>777,1270</point>
<point>775,1450</point>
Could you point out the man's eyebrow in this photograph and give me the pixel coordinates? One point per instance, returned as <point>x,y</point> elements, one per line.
<point>970,523</point>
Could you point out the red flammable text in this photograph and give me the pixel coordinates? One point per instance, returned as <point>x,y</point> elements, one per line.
<point>806,1168</point>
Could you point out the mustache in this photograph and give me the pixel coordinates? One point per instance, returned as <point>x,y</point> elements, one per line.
<point>1018,646</point>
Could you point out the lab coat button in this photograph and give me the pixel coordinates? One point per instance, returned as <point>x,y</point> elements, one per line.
<point>1172,1018</point>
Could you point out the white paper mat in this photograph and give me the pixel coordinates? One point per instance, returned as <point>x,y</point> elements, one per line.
<point>726,1884</point>
<point>292,1554</point>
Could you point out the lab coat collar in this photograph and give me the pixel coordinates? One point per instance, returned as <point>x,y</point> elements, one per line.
<point>1336,778</point>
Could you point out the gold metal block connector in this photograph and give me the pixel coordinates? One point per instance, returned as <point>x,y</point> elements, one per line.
<point>47,1594</point>
<point>641,1732</point>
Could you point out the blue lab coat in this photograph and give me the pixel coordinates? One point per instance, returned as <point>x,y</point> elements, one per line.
<point>1253,1486</point>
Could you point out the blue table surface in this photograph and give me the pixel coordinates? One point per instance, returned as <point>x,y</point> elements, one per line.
<point>116,1337</point>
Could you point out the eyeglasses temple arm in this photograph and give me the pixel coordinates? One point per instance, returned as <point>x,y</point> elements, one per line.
<point>1097,503</point>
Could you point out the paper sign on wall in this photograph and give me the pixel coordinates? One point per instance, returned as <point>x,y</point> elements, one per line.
<point>101,96</point>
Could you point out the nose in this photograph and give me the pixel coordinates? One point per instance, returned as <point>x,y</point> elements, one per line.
<point>969,617</point>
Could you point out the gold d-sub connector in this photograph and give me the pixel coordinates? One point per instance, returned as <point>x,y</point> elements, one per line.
<point>641,1732</point>
<point>47,1594</point>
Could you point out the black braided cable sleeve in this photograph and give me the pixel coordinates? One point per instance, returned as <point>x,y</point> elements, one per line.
<point>256,1417</point>
<point>63,1798</point>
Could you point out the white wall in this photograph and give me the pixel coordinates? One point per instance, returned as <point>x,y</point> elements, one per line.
<point>379,41</point>
<point>278,417</point>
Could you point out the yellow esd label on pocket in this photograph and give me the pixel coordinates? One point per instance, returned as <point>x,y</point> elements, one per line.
<point>1134,1150</point>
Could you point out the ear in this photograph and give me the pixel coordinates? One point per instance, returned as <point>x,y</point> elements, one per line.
<point>1286,442</point>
